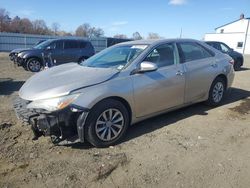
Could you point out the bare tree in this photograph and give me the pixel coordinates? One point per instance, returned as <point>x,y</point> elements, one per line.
<point>96,32</point>
<point>15,25</point>
<point>120,36</point>
<point>4,20</point>
<point>153,36</point>
<point>26,26</point>
<point>137,36</point>
<point>85,30</point>
<point>64,33</point>
<point>55,28</point>
<point>40,27</point>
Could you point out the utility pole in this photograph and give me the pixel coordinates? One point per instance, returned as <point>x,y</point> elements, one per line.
<point>246,35</point>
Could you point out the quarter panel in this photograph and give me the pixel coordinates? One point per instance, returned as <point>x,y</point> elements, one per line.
<point>199,76</point>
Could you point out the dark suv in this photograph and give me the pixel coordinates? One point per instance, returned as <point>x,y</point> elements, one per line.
<point>238,57</point>
<point>58,51</point>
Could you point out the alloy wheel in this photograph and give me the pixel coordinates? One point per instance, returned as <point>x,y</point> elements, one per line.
<point>218,92</point>
<point>109,124</point>
<point>34,65</point>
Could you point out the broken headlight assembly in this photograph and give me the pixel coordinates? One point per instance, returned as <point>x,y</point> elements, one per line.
<point>53,104</point>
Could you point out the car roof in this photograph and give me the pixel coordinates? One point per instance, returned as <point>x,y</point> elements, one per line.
<point>213,42</point>
<point>155,41</point>
<point>68,39</point>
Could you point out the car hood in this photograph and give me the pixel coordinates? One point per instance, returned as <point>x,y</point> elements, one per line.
<point>62,79</point>
<point>19,50</point>
<point>30,52</point>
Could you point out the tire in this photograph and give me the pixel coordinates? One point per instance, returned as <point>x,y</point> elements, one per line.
<point>34,65</point>
<point>81,59</point>
<point>100,130</point>
<point>25,66</point>
<point>237,64</point>
<point>216,92</point>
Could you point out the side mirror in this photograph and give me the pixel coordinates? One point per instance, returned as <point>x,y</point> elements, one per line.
<point>145,66</point>
<point>231,49</point>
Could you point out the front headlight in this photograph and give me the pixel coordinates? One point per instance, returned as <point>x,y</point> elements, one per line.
<point>19,54</point>
<point>53,104</point>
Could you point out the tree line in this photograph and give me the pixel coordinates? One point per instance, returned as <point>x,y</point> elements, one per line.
<point>39,26</point>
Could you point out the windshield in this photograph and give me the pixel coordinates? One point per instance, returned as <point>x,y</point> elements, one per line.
<point>116,57</point>
<point>43,45</point>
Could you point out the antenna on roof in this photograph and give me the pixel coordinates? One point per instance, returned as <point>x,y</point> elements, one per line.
<point>181,33</point>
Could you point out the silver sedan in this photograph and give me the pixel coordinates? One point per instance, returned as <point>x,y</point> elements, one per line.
<point>97,100</point>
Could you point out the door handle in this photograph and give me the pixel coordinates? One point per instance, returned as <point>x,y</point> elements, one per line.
<point>179,73</point>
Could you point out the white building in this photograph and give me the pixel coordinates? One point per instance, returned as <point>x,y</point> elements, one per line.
<point>235,34</point>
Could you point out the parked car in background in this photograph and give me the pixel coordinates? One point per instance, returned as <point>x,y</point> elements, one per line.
<point>59,50</point>
<point>13,54</point>
<point>98,99</point>
<point>238,57</point>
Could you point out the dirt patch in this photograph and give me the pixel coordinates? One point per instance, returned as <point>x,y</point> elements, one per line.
<point>243,108</point>
<point>110,164</point>
<point>5,125</point>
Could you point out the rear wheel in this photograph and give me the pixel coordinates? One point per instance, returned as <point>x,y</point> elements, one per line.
<point>107,123</point>
<point>82,59</point>
<point>216,92</point>
<point>237,64</point>
<point>34,65</point>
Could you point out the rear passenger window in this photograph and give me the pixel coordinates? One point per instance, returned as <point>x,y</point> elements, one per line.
<point>224,48</point>
<point>70,44</point>
<point>190,51</point>
<point>82,44</point>
<point>162,55</point>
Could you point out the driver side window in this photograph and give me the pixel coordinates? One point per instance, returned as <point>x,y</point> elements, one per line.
<point>52,45</point>
<point>162,55</point>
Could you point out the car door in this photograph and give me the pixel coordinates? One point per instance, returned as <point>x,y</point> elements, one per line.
<point>71,51</point>
<point>57,53</point>
<point>200,69</point>
<point>161,89</point>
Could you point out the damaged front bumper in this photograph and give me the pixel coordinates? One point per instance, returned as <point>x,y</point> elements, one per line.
<point>13,57</point>
<point>64,126</point>
<point>17,60</point>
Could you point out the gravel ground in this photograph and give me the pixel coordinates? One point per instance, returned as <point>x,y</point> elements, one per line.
<point>193,147</point>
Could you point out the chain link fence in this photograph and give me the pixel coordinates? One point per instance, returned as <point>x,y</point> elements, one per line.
<point>10,41</point>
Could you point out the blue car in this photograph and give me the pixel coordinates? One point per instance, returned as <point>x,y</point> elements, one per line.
<point>238,57</point>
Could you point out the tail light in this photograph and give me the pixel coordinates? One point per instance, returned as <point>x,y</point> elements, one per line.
<point>231,61</point>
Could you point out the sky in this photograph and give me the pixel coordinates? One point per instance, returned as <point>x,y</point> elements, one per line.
<point>165,17</point>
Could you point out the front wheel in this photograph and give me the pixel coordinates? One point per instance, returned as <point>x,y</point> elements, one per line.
<point>216,92</point>
<point>107,123</point>
<point>34,65</point>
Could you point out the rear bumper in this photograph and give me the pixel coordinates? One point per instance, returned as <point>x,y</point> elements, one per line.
<point>64,126</point>
<point>230,77</point>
